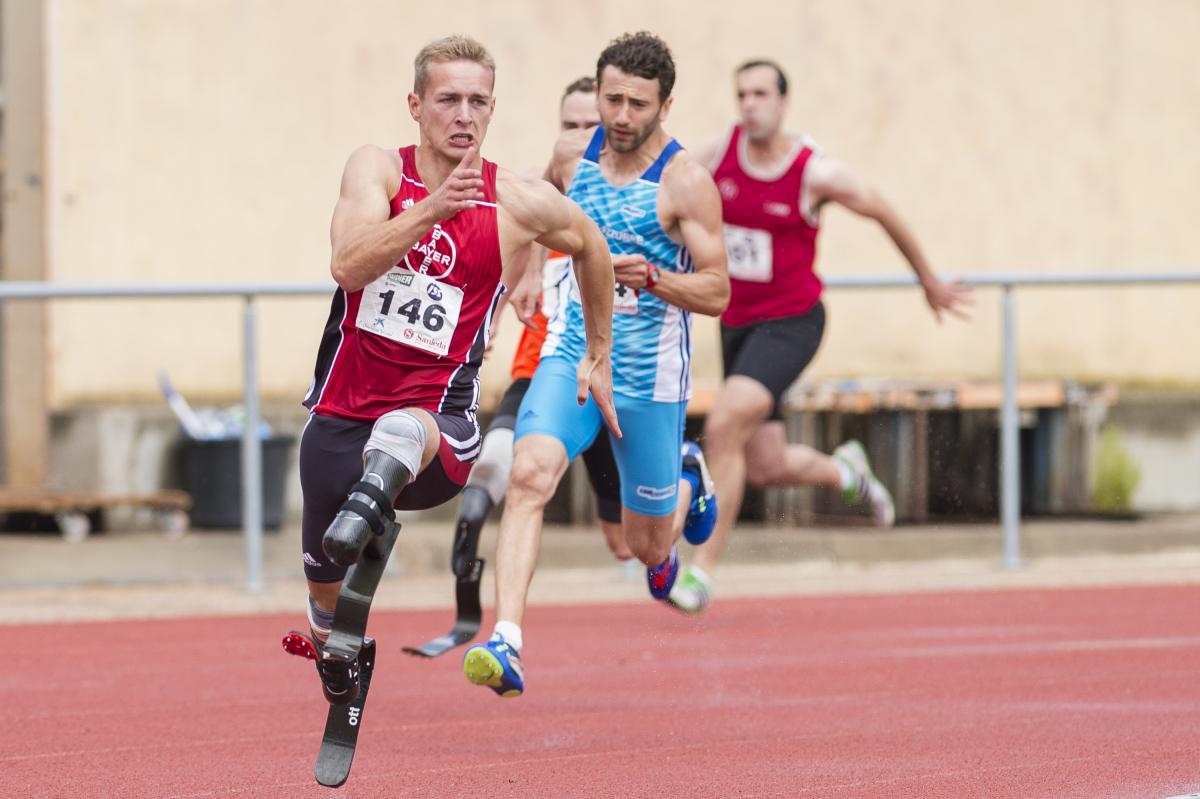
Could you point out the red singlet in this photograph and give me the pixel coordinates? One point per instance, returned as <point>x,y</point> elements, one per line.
<point>415,337</point>
<point>770,244</point>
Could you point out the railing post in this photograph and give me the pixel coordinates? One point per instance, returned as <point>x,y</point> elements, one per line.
<point>1010,444</point>
<point>252,500</point>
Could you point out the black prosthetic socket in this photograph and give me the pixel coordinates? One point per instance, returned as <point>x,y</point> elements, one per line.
<point>468,571</point>
<point>476,505</point>
<point>366,511</point>
<point>339,665</point>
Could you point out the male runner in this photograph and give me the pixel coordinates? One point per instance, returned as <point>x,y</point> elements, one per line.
<point>773,186</point>
<point>660,213</point>
<point>489,478</point>
<point>424,240</point>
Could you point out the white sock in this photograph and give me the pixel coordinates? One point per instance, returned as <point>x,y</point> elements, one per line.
<point>511,632</point>
<point>319,621</point>
<point>848,478</point>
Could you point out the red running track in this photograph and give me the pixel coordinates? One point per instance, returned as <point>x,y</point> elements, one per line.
<point>1050,693</point>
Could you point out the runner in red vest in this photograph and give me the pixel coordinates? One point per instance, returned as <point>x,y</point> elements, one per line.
<point>425,239</point>
<point>773,186</point>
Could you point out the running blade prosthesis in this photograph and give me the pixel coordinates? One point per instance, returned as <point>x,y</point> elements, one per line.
<point>347,660</point>
<point>344,718</point>
<point>468,571</point>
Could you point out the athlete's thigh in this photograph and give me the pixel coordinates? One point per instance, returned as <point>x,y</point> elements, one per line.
<point>444,476</point>
<point>331,461</point>
<point>604,476</point>
<point>550,408</point>
<point>765,449</point>
<point>648,454</point>
<point>742,403</point>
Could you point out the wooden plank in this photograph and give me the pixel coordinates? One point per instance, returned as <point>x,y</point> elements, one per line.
<point>48,501</point>
<point>23,382</point>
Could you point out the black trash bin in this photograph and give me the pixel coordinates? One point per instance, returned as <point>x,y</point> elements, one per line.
<point>213,476</point>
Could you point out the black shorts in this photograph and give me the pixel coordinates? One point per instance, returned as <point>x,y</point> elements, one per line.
<point>774,352</point>
<point>598,458</point>
<point>331,461</point>
<point>510,403</point>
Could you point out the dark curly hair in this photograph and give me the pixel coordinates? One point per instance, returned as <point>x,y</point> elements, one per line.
<point>641,54</point>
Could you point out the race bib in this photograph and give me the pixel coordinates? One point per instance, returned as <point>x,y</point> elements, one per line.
<point>749,253</point>
<point>625,299</point>
<point>411,308</point>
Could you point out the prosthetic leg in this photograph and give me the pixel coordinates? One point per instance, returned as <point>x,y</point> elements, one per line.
<point>484,490</point>
<point>362,536</point>
<point>468,571</point>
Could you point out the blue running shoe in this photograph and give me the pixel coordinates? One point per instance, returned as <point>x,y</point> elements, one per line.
<point>662,577</point>
<point>496,665</point>
<point>702,513</point>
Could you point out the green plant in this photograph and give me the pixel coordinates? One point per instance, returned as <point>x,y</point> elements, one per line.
<point>1116,476</point>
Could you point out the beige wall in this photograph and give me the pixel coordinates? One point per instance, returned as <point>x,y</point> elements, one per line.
<point>197,141</point>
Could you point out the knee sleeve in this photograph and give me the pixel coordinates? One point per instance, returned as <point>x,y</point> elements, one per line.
<point>398,435</point>
<point>392,458</point>
<point>492,468</point>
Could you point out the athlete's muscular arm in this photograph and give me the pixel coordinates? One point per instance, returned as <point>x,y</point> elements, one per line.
<point>365,242</point>
<point>541,214</point>
<point>696,206</point>
<point>832,181</point>
<point>568,149</point>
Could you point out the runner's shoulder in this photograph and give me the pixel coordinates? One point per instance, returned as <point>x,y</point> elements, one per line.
<point>685,179</point>
<point>524,197</point>
<point>372,157</point>
<point>373,165</point>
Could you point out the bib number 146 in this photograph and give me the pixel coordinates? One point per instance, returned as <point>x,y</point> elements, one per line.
<point>412,309</point>
<point>432,318</point>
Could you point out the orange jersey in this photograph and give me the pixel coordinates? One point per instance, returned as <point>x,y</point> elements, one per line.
<point>529,348</point>
<point>555,280</point>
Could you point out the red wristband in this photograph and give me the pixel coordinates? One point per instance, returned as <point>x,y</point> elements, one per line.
<point>652,275</point>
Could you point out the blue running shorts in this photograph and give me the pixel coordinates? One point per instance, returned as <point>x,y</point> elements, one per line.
<point>648,456</point>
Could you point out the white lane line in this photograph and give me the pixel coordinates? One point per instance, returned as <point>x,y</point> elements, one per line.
<point>1039,647</point>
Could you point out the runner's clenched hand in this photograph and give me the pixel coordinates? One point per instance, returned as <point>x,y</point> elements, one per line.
<point>459,190</point>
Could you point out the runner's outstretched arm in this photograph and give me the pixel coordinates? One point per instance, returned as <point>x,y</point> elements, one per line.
<point>831,180</point>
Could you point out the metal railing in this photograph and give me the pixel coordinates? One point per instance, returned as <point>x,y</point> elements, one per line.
<point>251,448</point>
<point>252,495</point>
<point>1010,454</point>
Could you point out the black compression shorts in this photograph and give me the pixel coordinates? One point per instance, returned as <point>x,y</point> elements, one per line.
<point>331,461</point>
<point>774,352</point>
